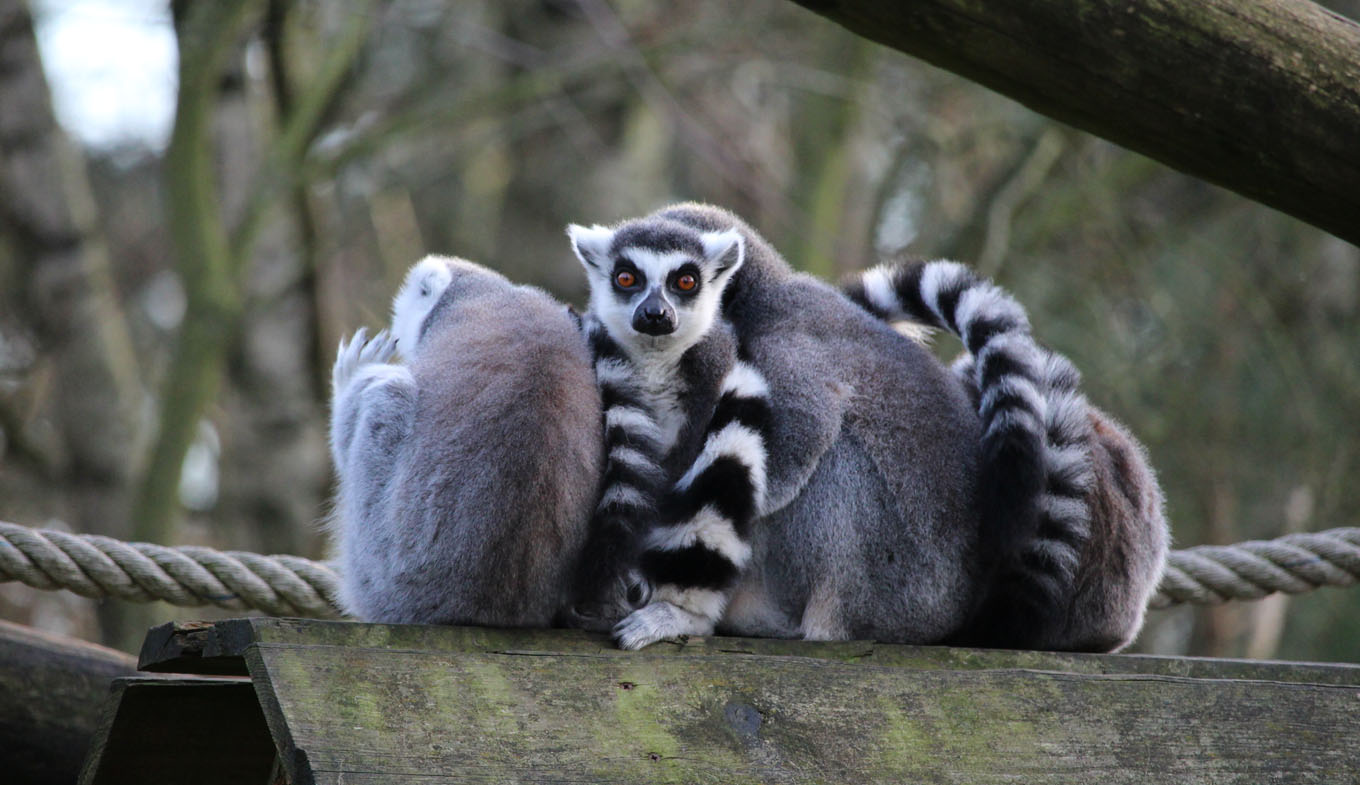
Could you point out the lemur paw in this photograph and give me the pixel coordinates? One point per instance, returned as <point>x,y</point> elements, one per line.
<point>656,621</point>
<point>360,351</point>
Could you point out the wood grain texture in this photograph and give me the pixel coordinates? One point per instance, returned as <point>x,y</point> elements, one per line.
<point>218,647</point>
<point>1259,96</point>
<point>363,715</point>
<point>52,691</point>
<point>372,703</point>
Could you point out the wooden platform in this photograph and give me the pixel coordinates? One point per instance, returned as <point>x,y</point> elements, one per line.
<point>332,702</point>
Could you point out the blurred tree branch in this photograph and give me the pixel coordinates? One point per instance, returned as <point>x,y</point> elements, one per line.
<point>276,34</point>
<point>825,152</point>
<point>211,262</point>
<point>207,33</point>
<point>1260,96</point>
<point>442,111</point>
<point>282,163</point>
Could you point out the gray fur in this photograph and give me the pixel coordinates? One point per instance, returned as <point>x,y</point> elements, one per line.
<point>870,506</point>
<point>1124,554</point>
<point>468,475</point>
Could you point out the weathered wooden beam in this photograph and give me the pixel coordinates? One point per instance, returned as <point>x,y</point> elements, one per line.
<point>218,648</point>
<point>1259,96</point>
<point>372,716</point>
<point>51,693</point>
<point>369,703</point>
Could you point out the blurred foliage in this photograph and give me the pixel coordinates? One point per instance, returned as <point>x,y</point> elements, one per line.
<point>1222,332</point>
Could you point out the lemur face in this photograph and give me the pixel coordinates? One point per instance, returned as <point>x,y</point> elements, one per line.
<point>657,285</point>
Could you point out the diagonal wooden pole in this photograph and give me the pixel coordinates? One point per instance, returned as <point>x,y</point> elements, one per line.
<point>1259,96</point>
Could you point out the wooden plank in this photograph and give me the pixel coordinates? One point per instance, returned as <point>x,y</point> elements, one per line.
<point>194,647</point>
<point>184,648</point>
<point>196,730</point>
<point>1260,96</point>
<point>51,693</point>
<point>384,715</point>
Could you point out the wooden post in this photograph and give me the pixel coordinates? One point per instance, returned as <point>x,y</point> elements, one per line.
<point>1260,96</point>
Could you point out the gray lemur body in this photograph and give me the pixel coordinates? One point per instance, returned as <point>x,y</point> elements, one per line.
<point>861,469</point>
<point>886,507</point>
<point>468,475</point>
<point>1080,577</point>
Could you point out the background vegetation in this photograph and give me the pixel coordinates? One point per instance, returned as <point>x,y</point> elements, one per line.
<point>169,311</point>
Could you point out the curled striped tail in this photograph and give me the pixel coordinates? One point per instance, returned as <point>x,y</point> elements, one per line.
<point>696,557</point>
<point>1034,521</point>
<point>606,584</point>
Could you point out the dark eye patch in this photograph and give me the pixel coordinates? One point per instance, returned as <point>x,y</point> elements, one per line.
<point>686,269</point>
<point>623,267</point>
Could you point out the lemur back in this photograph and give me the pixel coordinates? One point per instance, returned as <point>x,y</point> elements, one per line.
<point>1030,534</point>
<point>442,514</point>
<point>1079,575</point>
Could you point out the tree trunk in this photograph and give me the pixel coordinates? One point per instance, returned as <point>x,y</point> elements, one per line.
<point>1260,96</point>
<point>85,379</point>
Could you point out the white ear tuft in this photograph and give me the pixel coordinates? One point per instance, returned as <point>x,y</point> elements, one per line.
<point>725,249</point>
<point>591,245</point>
<point>423,287</point>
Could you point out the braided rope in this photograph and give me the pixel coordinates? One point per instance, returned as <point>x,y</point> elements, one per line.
<point>95,566</point>
<point>1294,563</point>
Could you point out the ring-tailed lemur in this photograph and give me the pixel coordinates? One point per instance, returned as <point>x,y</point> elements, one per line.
<point>656,300</point>
<point>1041,591</point>
<point>821,361</point>
<point>468,474</point>
<point>1034,524</point>
<point>871,499</point>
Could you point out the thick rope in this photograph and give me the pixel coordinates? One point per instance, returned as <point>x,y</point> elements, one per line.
<point>1294,563</point>
<point>95,566</point>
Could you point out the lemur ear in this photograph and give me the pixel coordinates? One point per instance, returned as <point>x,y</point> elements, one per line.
<point>724,250</point>
<point>424,285</point>
<point>591,245</point>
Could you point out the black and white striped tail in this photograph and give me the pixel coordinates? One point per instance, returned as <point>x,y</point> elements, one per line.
<point>695,558</point>
<point>630,490</point>
<point>1034,519</point>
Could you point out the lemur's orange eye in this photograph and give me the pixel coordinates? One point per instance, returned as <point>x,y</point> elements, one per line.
<point>624,278</point>
<point>686,283</point>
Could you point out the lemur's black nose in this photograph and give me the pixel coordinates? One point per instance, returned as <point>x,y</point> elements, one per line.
<point>654,316</point>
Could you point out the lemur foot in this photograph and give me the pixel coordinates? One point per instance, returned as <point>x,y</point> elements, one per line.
<point>360,351</point>
<point>656,621</point>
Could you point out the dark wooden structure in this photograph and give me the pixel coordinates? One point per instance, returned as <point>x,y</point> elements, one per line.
<point>287,700</point>
<point>52,690</point>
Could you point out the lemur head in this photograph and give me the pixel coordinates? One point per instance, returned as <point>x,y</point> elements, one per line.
<point>424,289</point>
<point>656,284</point>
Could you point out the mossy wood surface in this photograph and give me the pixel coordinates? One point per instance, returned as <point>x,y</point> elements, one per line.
<point>1260,96</point>
<point>360,703</point>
